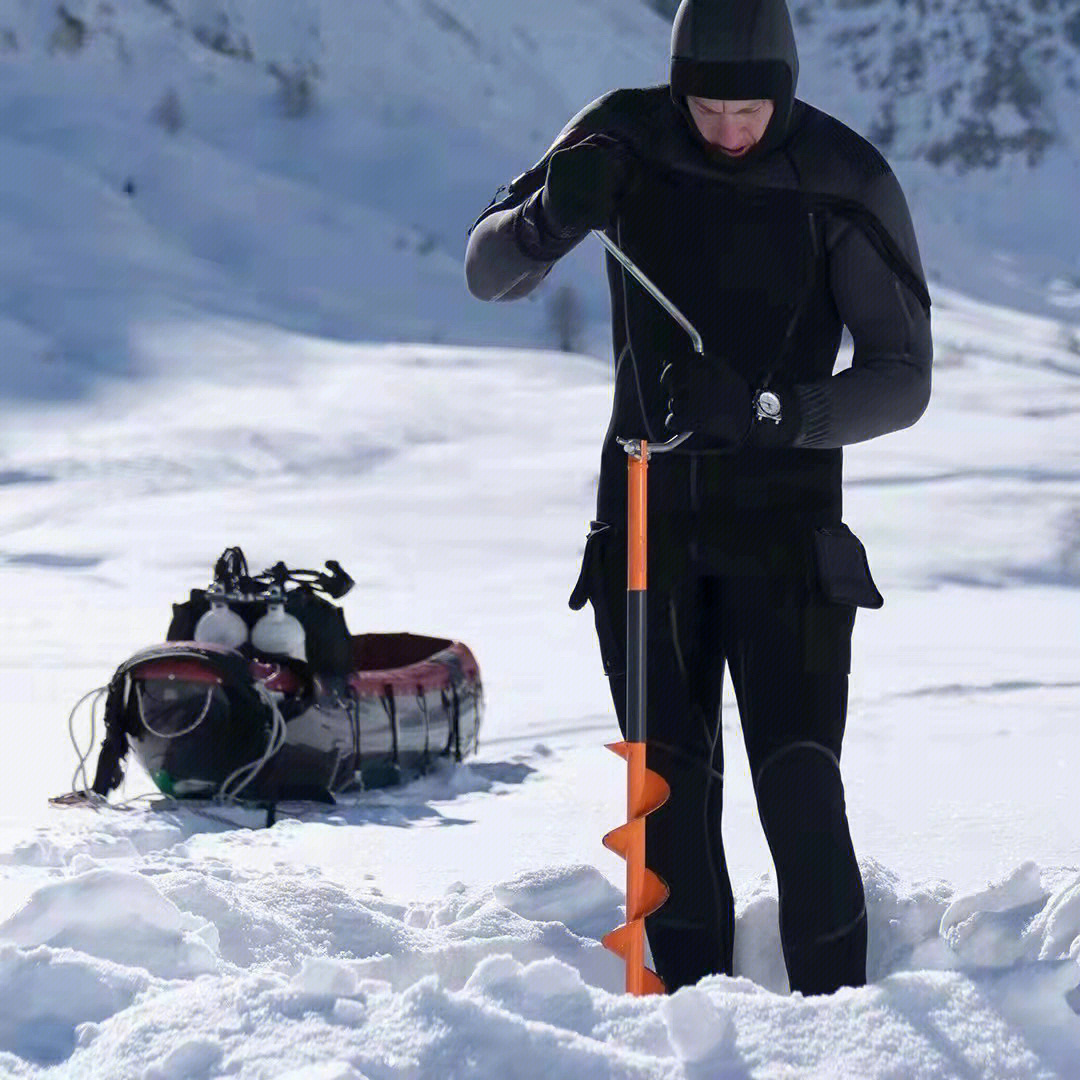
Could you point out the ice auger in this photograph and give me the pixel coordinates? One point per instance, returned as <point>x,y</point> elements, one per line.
<point>646,790</point>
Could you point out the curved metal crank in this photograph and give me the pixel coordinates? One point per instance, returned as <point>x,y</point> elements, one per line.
<point>633,446</point>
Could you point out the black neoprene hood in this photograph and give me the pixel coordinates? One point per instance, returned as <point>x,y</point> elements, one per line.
<point>735,50</point>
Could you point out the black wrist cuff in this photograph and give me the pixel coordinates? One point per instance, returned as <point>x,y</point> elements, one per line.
<point>536,236</point>
<point>814,402</point>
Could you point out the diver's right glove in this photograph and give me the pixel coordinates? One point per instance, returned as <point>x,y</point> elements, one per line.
<point>585,184</point>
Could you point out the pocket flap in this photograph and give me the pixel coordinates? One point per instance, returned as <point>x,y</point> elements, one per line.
<point>580,594</point>
<point>843,571</point>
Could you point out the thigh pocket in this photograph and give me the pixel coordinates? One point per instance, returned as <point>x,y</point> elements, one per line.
<point>840,582</point>
<point>842,569</point>
<point>602,581</point>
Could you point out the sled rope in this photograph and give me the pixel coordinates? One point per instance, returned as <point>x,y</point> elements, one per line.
<point>174,734</point>
<point>97,694</point>
<point>243,776</point>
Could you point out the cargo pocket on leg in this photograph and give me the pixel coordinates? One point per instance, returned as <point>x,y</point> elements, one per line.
<point>601,581</point>
<point>840,583</point>
<point>842,569</point>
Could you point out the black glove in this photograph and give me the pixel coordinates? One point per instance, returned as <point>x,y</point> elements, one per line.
<point>708,396</point>
<point>585,183</point>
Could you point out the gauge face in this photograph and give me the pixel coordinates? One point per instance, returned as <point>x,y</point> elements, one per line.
<point>769,403</point>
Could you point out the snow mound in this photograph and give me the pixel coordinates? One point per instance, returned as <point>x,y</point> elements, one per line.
<point>52,998</point>
<point>987,928</point>
<point>1056,929</point>
<point>508,980</point>
<point>329,1070</point>
<point>579,897</point>
<point>697,1030</point>
<point>271,920</point>
<point>119,917</point>
<point>191,1058</point>
<point>466,928</point>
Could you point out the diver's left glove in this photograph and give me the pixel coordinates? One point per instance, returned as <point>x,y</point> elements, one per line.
<point>707,396</point>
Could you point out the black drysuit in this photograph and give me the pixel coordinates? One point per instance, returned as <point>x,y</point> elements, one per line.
<point>769,256</point>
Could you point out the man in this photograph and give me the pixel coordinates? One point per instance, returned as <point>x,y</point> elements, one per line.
<point>770,225</point>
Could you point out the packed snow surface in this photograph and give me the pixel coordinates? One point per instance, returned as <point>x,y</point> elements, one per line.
<point>451,927</point>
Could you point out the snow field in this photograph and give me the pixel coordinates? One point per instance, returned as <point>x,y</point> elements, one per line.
<point>181,372</point>
<point>452,927</point>
<point>175,965</point>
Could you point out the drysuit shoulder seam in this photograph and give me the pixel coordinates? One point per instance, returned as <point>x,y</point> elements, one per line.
<point>841,170</point>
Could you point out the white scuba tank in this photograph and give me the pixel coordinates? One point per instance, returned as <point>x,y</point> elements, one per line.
<point>279,633</point>
<point>221,626</point>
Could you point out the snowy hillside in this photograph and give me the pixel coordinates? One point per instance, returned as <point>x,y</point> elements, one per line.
<point>450,928</point>
<point>315,164</point>
<point>973,103</point>
<point>232,311</point>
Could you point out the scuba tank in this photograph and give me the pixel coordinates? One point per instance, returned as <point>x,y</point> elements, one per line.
<point>277,632</point>
<point>220,625</point>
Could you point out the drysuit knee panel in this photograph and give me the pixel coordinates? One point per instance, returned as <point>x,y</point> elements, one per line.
<point>800,798</point>
<point>800,802</point>
<point>781,758</point>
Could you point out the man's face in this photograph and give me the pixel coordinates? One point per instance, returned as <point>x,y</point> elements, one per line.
<point>731,126</point>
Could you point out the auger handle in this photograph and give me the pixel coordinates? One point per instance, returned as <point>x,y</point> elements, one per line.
<point>652,289</point>
<point>633,446</point>
<point>646,791</point>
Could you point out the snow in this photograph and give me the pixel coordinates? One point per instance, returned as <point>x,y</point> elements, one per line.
<point>173,382</point>
<point>470,987</point>
<point>117,917</point>
<point>452,926</point>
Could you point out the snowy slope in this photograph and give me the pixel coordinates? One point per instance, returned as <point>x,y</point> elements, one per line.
<point>152,165</point>
<point>315,164</point>
<point>451,928</point>
<point>973,104</point>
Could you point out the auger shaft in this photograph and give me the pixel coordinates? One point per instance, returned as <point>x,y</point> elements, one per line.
<point>645,790</point>
<point>637,563</point>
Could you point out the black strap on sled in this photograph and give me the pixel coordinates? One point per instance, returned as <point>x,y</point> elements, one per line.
<point>389,705</point>
<point>457,722</point>
<point>422,707</point>
<point>110,766</point>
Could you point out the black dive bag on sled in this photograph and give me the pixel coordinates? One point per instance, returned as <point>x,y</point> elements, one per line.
<point>342,712</point>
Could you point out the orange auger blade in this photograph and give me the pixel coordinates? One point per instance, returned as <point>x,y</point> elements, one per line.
<point>645,890</point>
<point>646,791</point>
<point>639,979</point>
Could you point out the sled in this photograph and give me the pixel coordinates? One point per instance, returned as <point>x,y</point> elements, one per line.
<point>207,721</point>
